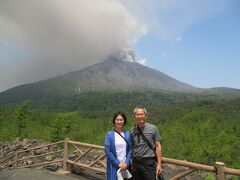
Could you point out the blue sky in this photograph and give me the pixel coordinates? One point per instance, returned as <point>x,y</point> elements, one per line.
<point>196,42</point>
<point>207,53</point>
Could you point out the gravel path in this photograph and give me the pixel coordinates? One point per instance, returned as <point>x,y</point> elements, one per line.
<point>40,174</point>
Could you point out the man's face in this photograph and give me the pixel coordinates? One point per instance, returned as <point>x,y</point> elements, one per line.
<point>140,116</point>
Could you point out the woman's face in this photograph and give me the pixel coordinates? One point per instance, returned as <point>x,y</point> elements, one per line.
<point>119,122</point>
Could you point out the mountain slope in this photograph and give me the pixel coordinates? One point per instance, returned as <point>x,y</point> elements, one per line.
<point>115,74</point>
<point>110,83</point>
<point>111,74</point>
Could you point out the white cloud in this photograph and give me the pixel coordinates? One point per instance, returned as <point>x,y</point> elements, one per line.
<point>142,61</point>
<point>126,54</point>
<point>62,35</point>
<point>169,18</point>
<point>67,35</point>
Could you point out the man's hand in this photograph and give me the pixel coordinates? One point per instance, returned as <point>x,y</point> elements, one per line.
<point>159,169</point>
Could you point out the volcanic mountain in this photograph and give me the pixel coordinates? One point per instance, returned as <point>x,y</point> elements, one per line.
<point>118,74</point>
<point>111,74</point>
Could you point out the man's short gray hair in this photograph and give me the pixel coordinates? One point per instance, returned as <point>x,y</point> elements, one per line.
<point>140,107</point>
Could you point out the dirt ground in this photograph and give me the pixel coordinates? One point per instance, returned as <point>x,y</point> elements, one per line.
<point>43,174</point>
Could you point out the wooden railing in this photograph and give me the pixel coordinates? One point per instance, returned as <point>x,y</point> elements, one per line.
<point>219,168</point>
<point>15,159</point>
<point>94,152</point>
<point>92,157</point>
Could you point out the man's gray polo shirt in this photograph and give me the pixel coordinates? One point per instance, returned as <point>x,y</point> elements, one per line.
<point>140,147</point>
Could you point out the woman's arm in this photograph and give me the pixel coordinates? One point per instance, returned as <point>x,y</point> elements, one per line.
<point>108,150</point>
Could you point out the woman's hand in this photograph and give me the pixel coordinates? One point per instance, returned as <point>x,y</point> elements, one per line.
<point>122,166</point>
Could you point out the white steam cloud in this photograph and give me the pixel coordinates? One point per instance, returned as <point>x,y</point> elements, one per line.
<point>127,54</point>
<point>170,18</point>
<point>53,37</point>
<point>45,38</point>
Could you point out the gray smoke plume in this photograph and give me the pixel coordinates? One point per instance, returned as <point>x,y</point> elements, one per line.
<point>45,38</point>
<point>126,54</point>
<point>49,38</point>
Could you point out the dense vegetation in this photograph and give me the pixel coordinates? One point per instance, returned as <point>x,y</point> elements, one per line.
<point>203,131</point>
<point>106,100</point>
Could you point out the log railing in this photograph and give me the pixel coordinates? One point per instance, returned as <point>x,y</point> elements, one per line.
<point>92,157</point>
<point>94,152</point>
<point>20,156</point>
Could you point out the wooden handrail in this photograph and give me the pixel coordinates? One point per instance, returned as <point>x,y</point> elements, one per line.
<point>188,164</point>
<point>38,147</point>
<point>83,154</point>
<point>183,174</point>
<point>39,164</point>
<point>10,163</point>
<point>193,166</point>
<point>30,157</point>
<point>78,149</point>
<point>86,145</point>
<point>219,167</point>
<point>45,154</point>
<point>232,171</point>
<point>97,160</point>
<point>8,157</point>
<point>86,166</point>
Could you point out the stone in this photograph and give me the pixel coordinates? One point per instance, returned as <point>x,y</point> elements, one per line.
<point>52,167</point>
<point>29,162</point>
<point>49,158</point>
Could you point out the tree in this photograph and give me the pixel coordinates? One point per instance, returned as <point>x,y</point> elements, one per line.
<point>21,113</point>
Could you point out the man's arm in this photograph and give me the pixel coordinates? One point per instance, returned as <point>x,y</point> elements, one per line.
<point>159,157</point>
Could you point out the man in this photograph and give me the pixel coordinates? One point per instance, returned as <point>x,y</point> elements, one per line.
<point>146,162</point>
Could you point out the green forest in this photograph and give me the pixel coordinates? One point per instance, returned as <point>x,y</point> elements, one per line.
<point>201,131</point>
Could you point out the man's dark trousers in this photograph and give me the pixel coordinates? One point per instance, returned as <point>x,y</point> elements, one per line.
<point>144,168</point>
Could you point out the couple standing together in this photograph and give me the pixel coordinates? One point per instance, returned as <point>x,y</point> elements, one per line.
<point>141,147</point>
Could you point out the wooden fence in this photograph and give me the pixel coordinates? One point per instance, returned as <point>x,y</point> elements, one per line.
<point>92,157</point>
<point>14,159</point>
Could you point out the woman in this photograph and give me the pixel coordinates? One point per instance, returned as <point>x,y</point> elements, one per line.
<point>117,147</point>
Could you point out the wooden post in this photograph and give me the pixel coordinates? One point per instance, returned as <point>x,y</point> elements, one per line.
<point>220,174</point>
<point>65,156</point>
<point>16,160</point>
